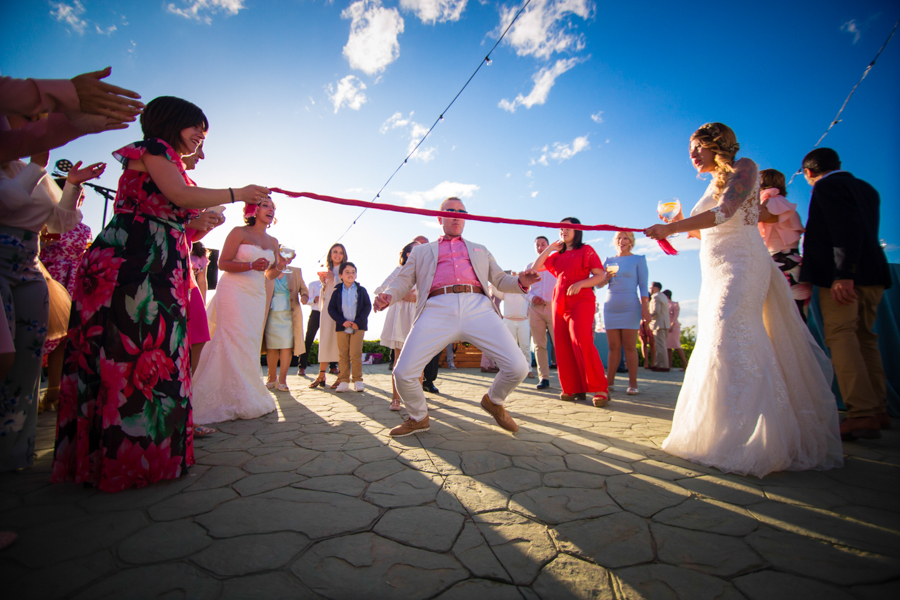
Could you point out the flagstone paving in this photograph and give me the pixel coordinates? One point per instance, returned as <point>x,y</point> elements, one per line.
<point>317,501</point>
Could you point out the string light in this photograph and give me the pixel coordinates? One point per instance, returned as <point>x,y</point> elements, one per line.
<point>837,118</point>
<point>486,61</point>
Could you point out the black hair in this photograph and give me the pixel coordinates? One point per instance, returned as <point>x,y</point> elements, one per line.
<point>165,118</point>
<point>579,235</point>
<point>668,294</point>
<point>542,237</point>
<point>404,254</point>
<point>821,161</point>
<point>656,284</point>
<point>344,265</point>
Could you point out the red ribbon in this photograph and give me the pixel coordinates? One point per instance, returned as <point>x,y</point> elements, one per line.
<point>663,243</point>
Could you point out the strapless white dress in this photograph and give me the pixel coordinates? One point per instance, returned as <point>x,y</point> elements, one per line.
<point>228,383</point>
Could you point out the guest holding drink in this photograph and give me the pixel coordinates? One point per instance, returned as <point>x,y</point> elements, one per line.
<point>285,295</point>
<point>577,269</point>
<point>625,307</point>
<point>328,349</point>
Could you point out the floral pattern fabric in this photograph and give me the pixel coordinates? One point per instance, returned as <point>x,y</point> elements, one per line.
<point>125,397</point>
<point>61,259</point>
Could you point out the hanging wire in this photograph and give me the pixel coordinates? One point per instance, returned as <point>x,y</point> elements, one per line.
<point>837,118</point>
<point>485,61</point>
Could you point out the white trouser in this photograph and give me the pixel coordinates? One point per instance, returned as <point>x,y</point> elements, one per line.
<point>521,332</point>
<point>450,318</point>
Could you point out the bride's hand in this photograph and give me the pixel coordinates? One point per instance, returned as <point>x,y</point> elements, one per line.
<point>659,232</point>
<point>260,264</point>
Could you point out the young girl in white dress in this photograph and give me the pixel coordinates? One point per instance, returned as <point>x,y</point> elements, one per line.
<point>228,383</point>
<point>757,394</point>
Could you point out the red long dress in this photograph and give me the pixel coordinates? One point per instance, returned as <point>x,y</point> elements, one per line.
<point>579,367</point>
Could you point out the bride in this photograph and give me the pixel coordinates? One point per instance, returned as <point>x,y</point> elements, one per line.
<point>228,384</point>
<point>757,392</point>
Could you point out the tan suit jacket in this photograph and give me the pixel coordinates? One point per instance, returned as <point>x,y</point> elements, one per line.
<point>659,312</point>
<point>296,288</point>
<point>422,262</point>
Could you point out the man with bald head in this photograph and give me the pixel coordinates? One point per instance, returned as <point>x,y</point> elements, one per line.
<point>451,277</point>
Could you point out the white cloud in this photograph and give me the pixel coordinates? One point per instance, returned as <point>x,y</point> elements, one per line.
<point>70,14</point>
<point>440,192</point>
<point>851,28</point>
<point>202,10</point>
<point>435,11</point>
<point>534,194</point>
<point>560,152</point>
<point>544,80</point>
<point>598,117</point>
<point>373,44</point>
<point>349,92</point>
<point>416,132</point>
<point>108,31</point>
<point>544,27</point>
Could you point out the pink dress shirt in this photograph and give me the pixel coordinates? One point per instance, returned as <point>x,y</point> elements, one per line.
<point>453,266</point>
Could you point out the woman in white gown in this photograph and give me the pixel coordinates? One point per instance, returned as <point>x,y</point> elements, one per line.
<point>399,318</point>
<point>757,394</point>
<point>228,383</point>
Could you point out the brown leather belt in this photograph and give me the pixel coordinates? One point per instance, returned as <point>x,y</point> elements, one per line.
<point>456,289</point>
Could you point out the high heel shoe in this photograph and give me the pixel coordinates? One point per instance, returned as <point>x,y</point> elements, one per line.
<point>317,382</point>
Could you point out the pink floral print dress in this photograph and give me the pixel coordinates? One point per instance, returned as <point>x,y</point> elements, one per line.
<point>125,418</point>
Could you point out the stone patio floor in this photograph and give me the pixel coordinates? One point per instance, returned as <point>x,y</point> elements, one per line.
<point>316,501</point>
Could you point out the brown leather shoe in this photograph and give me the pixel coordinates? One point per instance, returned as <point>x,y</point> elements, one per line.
<point>499,413</point>
<point>884,420</point>
<point>865,428</point>
<point>410,427</point>
<point>567,398</point>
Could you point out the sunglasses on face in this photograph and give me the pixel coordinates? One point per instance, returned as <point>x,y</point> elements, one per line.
<point>456,210</point>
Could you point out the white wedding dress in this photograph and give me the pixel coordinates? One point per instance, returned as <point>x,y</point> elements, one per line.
<point>757,394</point>
<point>228,383</point>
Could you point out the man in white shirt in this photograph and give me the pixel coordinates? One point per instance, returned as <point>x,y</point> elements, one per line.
<point>515,317</point>
<point>540,317</point>
<point>312,325</point>
<point>659,325</point>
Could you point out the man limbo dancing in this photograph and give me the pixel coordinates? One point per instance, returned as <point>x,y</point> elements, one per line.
<point>451,277</point>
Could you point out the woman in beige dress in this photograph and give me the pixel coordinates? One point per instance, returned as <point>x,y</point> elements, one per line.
<point>283,334</point>
<point>328,350</point>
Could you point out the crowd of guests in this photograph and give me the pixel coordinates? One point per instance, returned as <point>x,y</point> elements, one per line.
<point>147,362</point>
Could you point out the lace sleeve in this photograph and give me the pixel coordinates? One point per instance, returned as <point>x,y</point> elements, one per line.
<point>741,187</point>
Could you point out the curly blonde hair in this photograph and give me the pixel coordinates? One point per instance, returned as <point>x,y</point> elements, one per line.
<point>626,234</point>
<point>721,140</point>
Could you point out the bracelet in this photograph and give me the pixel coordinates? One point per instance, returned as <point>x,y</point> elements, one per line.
<point>231,191</point>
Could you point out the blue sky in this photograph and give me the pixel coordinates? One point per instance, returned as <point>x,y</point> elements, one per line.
<point>585,110</point>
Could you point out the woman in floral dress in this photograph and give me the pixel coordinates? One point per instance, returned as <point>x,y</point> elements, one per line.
<point>125,398</point>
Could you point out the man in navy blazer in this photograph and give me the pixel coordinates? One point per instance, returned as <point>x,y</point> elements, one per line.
<point>842,255</point>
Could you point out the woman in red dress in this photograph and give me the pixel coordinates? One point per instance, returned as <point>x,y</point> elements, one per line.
<point>578,269</point>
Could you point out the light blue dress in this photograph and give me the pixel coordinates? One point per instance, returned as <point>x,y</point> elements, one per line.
<point>622,309</point>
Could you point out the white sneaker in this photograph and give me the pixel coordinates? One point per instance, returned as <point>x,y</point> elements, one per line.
<point>359,386</point>
<point>343,387</point>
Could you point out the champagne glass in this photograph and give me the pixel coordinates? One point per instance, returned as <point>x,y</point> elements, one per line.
<point>669,209</point>
<point>288,254</point>
<point>612,269</point>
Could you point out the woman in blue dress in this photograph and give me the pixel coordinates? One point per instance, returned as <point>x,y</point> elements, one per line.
<point>624,309</point>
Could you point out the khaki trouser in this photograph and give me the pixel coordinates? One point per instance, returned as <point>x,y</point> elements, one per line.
<point>854,350</point>
<point>541,321</point>
<point>661,361</point>
<point>350,347</point>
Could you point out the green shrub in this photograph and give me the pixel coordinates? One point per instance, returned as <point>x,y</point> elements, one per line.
<point>369,346</point>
